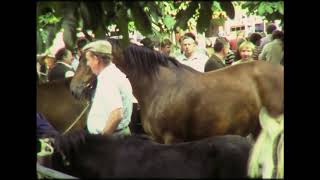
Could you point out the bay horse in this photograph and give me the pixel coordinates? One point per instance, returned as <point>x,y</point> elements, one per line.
<point>85,155</point>
<point>179,104</point>
<point>59,107</point>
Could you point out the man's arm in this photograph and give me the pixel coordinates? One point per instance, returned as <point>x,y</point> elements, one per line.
<point>263,54</point>
<point>113,121</point>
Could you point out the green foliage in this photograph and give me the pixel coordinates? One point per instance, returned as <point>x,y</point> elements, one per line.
<point>183,16</point>
<point>140,18</point>
<point>48,18</point>
<point>270,10</point>
<point>148,17</point>
<point>169,22</point>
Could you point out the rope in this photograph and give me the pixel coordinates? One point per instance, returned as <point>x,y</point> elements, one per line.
<point>78,118</point>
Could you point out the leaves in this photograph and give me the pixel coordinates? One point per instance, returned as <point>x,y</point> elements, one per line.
<point>169,22</point>
<point>228,8</point>
<point>183,16</point>
<point>205,16</point>
<point>280,8</point>
<point>271,10</point>
<point>140,18</point>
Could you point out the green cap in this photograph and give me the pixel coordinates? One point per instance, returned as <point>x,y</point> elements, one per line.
<point>100,46</point>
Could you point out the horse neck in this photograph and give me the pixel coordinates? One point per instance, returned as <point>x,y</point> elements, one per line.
<point>145,87</point>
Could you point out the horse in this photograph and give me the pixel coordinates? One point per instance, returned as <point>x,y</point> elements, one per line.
<point>85,155</point>
<point>178,103</point>
<point>267,156</point>
<point>61,109</point>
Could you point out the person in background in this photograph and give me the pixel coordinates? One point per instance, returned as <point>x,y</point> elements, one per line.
<point>165,47</point>
<point>191,57</point>
<point>255,38</point>
<point>221,48</point>
<point>273,51</point>
<point>81,42</point>
<point>62,68</point>
<point>246,51</point>
<point>265,40</point>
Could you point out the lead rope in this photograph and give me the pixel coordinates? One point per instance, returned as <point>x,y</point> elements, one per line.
<point>78,118</point>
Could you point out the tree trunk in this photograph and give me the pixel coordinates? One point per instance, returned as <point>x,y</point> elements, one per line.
<point>212,31</point>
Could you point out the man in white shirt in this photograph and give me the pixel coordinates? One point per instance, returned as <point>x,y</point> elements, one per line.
<point>111,109</point>
<point>191,57</point>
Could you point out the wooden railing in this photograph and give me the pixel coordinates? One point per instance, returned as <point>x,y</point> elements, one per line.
<point>48,173</point>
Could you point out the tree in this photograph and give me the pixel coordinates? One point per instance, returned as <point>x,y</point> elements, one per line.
<point>148,17</point>
<point>270,10</point>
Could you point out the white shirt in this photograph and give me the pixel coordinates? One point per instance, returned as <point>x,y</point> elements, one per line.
<point>197,61</point>
<point>113,91</point>
<point>75,63</point>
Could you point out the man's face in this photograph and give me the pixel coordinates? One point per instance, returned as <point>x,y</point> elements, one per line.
<point>166,50</point>
<point>226,49</point>
<point>92,62</point>
<point>69,57</point>
<point>189,46</point>
<point>49,62</point>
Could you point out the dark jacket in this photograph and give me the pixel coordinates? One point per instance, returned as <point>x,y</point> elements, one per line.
<point>58,72</point>
<point>213,63</point>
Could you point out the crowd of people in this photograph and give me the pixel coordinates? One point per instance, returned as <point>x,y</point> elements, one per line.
<point>223,51</point>
<point>219,54</point>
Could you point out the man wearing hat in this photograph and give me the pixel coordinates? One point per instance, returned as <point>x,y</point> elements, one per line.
<point>62,68</point>
<point>111,109</point>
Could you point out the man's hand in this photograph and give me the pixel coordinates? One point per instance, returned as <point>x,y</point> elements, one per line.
<point>113,120</point>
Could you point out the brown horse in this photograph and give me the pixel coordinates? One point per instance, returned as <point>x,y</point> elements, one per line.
<point>56,103</point>
<point>181,104</point>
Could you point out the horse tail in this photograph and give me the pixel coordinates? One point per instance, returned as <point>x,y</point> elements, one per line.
<point>262,153</point>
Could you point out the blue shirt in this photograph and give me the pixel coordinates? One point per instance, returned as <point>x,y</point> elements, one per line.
<point>44,127</point>
<point>113,91</point>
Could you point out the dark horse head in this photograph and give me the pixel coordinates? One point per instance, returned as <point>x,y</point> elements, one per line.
<point>84,81</point>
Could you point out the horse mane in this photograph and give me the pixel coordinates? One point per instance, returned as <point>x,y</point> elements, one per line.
<point>64,144</point>
<point>143,61</point>
<point>71,142</point>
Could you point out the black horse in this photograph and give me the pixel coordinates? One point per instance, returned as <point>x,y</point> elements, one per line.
<point>95,156</point>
